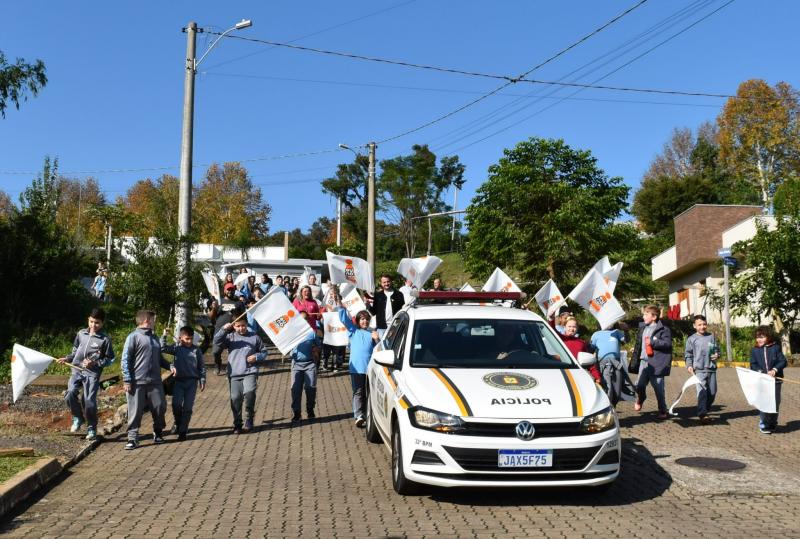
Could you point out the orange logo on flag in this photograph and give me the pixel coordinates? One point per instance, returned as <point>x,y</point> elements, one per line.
<point>335,329</point>
<point>551,301</point>
<point>13,357</point>
<point>281,322</point>
<point>507,287</point>
<point>598,302</point>
<point>349,270</point>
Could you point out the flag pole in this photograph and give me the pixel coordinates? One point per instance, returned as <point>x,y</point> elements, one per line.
<point>77,368</point>
<point>791,381</point>
<point>254,305</point>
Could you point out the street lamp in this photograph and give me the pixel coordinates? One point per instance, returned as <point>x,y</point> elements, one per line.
<point>370,202</point>
<point>182,311</point>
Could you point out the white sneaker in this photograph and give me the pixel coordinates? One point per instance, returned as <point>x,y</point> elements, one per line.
<point>77,422</point>
<point>360,421</point>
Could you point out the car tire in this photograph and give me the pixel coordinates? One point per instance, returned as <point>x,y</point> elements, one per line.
<point>370,429</point>
<point>401,484</point>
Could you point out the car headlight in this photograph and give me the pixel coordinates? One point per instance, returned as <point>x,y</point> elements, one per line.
<point>599,422</point>
<point>425,418</point>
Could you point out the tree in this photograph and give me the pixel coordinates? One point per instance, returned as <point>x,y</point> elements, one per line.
<point>41,198</point>
<point>546,211</point>
<point>412,186</point>
<point>759,135</point>
<point>350,185</point>
<point>770,283</point>
<point>75,199</point>
<point>153,205</point>
<point>228,208</point>
<point>18,79</point>
<point>6,206</point>
<point>787,197</point>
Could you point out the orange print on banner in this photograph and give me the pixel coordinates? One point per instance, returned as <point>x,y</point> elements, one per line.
<point>280,323</point>
<point>598,302</point>
<point>551,301</point>
<point>13,358</point>
<point>507,287</point>
<point>334,329</point>
<point>349,270</point>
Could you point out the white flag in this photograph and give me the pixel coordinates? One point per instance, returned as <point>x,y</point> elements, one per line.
<point>353,302</point>
<point>692,381</point>
<point>328,298</point>
<point>349,269</point>
<point>758,389</point>
<point>335,332</point>
<point>549,298</point>
<point>26,366</point>
<point>241,278</point>
<point>611,276</point>
<point>280,320</point>
<point>500,282</point>
<point>466,287</point>
<point>593,294</point>
<point>418,270</point>
<point>307,272</point>
<point>212,284</point>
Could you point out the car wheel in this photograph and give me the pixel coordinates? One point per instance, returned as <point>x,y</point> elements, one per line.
<point>371,430</point>
<point>401,484</point>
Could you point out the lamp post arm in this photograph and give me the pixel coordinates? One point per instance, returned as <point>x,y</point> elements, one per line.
<point>223,34</point>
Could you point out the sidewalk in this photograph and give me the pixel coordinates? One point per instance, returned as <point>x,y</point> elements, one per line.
<point>323,480</point>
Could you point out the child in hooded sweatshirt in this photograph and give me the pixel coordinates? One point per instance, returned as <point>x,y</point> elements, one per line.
<point>362,341</point>
<point>245,349</point>
<point>188,369</point>
<point>701,354</point>
<point>767,357</point>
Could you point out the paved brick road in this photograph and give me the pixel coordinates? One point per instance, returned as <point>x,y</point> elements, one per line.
<point>324,480</point>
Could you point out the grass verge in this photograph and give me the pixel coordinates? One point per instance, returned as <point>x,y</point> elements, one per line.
<point>9,466</point>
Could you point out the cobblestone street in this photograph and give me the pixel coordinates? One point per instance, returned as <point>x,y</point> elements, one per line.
<point>322,479</point>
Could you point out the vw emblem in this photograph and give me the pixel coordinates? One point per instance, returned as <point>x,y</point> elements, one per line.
<point>525,430</point>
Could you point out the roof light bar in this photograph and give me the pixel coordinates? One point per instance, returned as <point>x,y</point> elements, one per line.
<point>469,296</point>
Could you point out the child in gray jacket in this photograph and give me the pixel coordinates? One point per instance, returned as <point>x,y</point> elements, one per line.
<point>701,354</point>
<point>188,369</point>
<point>245,348</point>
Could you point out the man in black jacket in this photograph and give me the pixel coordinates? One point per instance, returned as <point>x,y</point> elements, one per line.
<point>385,304</point>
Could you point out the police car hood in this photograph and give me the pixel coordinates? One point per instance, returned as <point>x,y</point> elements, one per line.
<point>511,394</point>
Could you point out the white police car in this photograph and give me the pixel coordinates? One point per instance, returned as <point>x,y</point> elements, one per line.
<point>485,395</point>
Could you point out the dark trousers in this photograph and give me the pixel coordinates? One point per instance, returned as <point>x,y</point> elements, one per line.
<point>243,391</point>
<point>153,396</point>
<point>770,421</point>
<point>358,381</point>
<point>332,356</point>
<point>88,385</point>
<point>706,391</point>
<point>304,375</point>
<point>183,395</point>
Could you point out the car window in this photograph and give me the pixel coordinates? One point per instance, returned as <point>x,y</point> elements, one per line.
<point>391,331</point>
<point>487,343</point>
<point>399,342</point>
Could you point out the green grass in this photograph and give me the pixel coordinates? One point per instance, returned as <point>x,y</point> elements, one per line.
<point>9,466</point>
<point>452,272</point>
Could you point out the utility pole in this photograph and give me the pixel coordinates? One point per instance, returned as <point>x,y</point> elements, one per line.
<point>109,244</point>
<point>338,221</point>
<point>371,207</point>
<point>728,343</point>
<point>453,231</point>
<point>182,312</point>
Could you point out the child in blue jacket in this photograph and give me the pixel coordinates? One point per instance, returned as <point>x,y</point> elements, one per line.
<point>766,357</point>
<point>362,341</point>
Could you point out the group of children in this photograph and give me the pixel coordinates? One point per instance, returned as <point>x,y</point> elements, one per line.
<point>142,362</point>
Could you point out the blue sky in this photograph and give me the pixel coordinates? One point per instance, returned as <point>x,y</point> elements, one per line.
<point>114,100</point>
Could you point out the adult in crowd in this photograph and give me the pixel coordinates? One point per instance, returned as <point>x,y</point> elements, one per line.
<point>386,302</point>
<point>228,282</point>
<point>438,285</point>
<point>305,303</point>
<point>576,345</point>
<point>316,290</point>
<point>653,347</point>
<point>406,291</point>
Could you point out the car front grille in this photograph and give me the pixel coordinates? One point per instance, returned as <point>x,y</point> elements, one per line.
<point>485,460</point>
<point>507,430</point>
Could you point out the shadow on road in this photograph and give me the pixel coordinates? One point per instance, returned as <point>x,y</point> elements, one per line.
<point>642,478</point>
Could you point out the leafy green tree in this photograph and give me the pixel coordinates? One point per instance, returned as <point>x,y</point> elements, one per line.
<point>6,206</point>
<point>412,186</point>
<point>759,135</point>
<point>153,206</point>
<point>546,211</point>
<point>19,79</point>
<point>770,281</point>
<point>75,198</point>
<point>787,197</point>
<point>350,185</point>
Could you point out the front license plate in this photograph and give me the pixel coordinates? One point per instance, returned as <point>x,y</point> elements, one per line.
<point>524,458</point>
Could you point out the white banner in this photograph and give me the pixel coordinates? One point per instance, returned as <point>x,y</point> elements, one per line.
<point>241,278</point>
<point>349,269</point>
<point>466,287</point>
<point>418,270</point>
<point>335,332</point>
<point>758,389</point>
<point>328,298</point>
<point>692,381</point>
<point>280,320</point>
<point>304,277</point>
<point>353,302</point>
<point>500,282</point>
<point>593,294</point>
<point>212,284</point>
<point>26,366</point>
<point>549,298</point>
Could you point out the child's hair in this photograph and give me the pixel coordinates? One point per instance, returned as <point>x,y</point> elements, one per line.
<point>699,317</point>
<point>570,319</point>
<point>652,309</point>
<point>186,330</point>
<point>98,314</point>
<point>240,321</point>
<point>765,331</point>
<point>144,315</point>
<point>363,314</point>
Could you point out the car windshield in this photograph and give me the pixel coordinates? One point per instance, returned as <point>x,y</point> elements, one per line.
<point>482,343</point>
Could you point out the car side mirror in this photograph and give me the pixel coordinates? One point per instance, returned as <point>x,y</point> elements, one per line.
<point>384,358</point>
<point>586,359</point>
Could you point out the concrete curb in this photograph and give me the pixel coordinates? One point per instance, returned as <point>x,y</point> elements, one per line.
<point>19,487</point>
<point>720,364</point>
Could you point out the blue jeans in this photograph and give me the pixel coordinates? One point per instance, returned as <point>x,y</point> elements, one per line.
<point>647,374</point>
<point>88,384</point>
<point>304,374</point>
<point>358,381</point>
<point>183,395</point>
<point>770,421</point>
<point>706,391</point>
